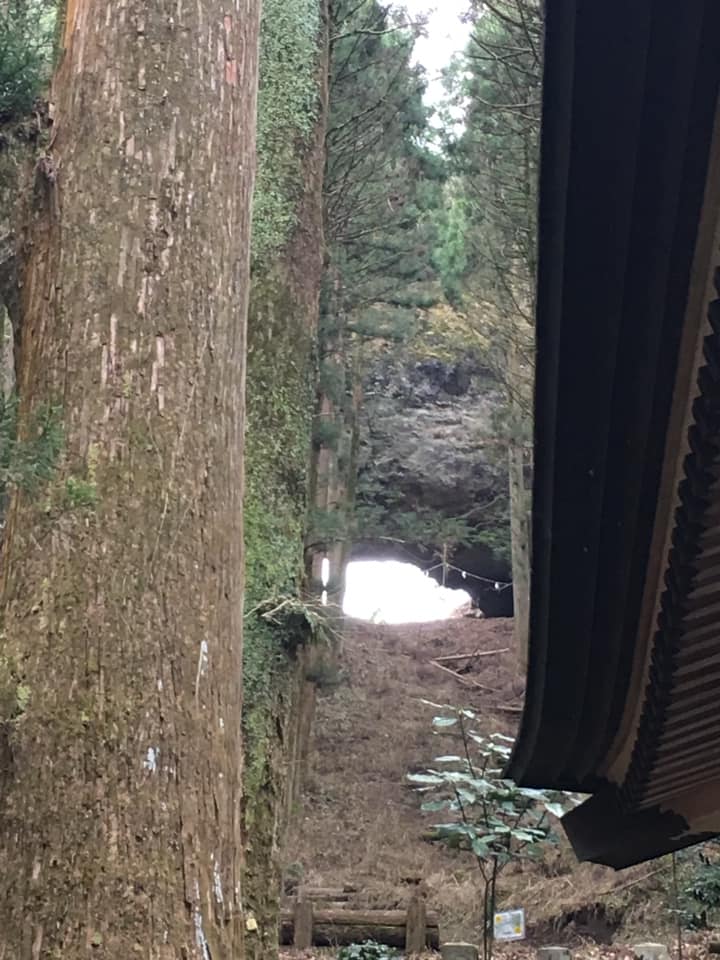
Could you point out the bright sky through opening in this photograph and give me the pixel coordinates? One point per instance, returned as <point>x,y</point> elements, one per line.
<point>386,591</point>
<point>446,36</point>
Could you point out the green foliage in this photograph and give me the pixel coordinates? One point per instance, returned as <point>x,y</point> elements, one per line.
<point>368,950</point>
<point>700,898</point>
<point>489,816</point>
<point>332,380</point>
<point>27,30</point>
<point>383,512</point>
<point>326,527</point>
<point>384,321</point>
<point>277,452</point>
<point>325,675</point>
<point>486,251</point>
<point>287,111</point>
<point>327,432</point>
<point>299,620</point>
<point>81,494</point>
<point>14,694</point>
<point>26,463</point>
<point>451,256</point>
<point>489,216</point>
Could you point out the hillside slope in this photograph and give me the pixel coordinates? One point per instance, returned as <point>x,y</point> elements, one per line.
<point>359,822</point>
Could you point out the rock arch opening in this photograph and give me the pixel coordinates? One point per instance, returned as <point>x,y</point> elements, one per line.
<point>393,592</point>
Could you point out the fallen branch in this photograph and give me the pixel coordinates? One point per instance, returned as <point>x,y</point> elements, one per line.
<point>632,883</point>
<point>467,681</point>
<point>471,656</point>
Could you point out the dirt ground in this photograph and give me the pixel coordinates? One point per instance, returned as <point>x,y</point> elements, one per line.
<point>360,822</point>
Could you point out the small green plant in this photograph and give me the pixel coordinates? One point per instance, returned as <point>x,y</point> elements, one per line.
<point>369,950</point>
<point>27,462</point>
<point>81,494</point>
<point>14,694</point>
<point>302,621</point>
<point>492,818</point>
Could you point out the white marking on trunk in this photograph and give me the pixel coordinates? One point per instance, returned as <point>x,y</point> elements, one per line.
<point>159,362</point>
<point>122,264</point>
<point>113,345</point>
<point>217,883</point>
<point>200,937</point>
<point>142,296</point>
<point>151,759</point>
<point>201,667</point>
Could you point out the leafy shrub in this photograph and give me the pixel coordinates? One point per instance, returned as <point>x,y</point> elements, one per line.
<point>700,899</point>
<point>369,950</point>
<point>26,43</point>
<point>489,816</point>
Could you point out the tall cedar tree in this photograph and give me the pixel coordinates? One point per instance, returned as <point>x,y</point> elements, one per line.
<point>120,657</point>
<point>380,182</point>
<point>488,257</point>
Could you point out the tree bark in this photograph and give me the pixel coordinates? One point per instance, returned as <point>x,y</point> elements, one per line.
<point>282,331</point>
<point>520,517</point>
<point>120,763</point>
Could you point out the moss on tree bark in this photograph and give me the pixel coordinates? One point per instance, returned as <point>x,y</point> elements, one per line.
<point>287,269</point>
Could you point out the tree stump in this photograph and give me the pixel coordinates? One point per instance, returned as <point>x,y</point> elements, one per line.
<point>459,951</point>
<point>554,953</point>
<point>303,924</point>
<point>416,926</point>
<point>651,951</point>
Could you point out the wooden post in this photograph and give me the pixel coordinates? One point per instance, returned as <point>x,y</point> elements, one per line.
<point>415,926</point>
<point>303,926</point>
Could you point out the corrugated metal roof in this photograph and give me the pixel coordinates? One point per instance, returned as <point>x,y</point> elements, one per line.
<point>624,657</point>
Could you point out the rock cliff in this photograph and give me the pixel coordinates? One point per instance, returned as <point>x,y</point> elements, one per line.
<point>432,476</point>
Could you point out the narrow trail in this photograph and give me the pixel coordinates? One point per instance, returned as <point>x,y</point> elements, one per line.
<point>360,823</point>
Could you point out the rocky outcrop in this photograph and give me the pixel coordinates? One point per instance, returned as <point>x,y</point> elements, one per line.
<point>432,473</point>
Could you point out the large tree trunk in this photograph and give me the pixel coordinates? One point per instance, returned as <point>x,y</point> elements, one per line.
<point>120,663</point>
<point>288,250</point>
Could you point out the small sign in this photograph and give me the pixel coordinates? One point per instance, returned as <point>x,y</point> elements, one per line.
<point>510,925</point>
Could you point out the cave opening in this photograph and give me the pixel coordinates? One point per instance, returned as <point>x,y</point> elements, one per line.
<point>394,592</point>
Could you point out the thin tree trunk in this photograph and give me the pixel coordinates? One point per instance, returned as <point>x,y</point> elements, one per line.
<point>331,458</point>
<point>122,582</point>
<point>520,511</point>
